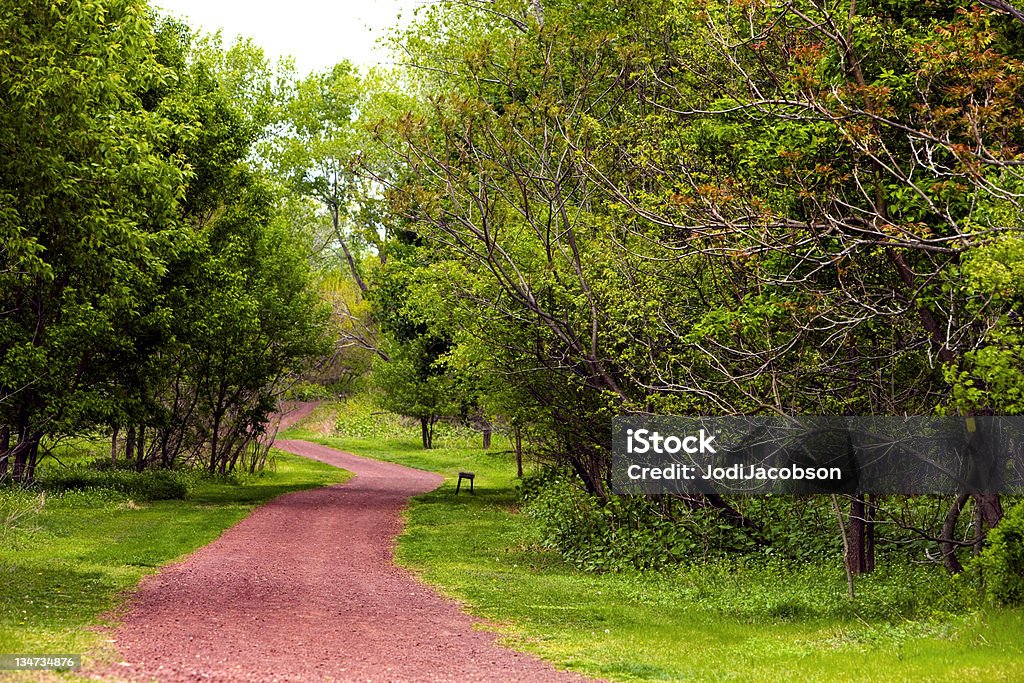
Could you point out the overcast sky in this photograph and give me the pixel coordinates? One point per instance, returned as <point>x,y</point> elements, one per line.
<point>317,33</point>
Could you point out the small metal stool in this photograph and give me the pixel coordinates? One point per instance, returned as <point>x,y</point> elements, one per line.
<point>465,475</point>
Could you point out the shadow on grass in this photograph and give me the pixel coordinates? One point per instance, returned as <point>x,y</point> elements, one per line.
<point>52,593</point>
<point>241,494</point>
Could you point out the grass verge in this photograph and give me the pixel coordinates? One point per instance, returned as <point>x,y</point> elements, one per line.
<point>67,558</point>
<point>758,621</point>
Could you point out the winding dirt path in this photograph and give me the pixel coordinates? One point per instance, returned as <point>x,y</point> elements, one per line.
<point>292,412</point>
<point>305,589</point>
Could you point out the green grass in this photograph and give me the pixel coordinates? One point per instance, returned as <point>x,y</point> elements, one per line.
<point>758,621</point>
<point>67,559</point>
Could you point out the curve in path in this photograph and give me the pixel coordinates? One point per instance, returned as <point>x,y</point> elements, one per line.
<point>290,413</point>
<point>305,589</point>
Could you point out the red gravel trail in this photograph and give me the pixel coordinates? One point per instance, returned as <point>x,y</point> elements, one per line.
<point>291,412</point>
<point>305,589</point>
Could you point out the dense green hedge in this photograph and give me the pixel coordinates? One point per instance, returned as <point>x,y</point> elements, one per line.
<point>142,486</point>
<point>1002,560</point>
<point>625,532</point>
<point>652,532</point>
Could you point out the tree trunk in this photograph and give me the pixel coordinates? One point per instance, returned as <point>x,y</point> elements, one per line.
<point>20,453</point>
<point>990,508</point>
<point>979,530</point>
<point>591,480</point>
<point>165,454</point>
<point>426,432</point>
<point>113,443</point>
<point>869,536</point>
<point>861,538</point>
<point>947,545</point>
<point>140,449</point>
<point>213,442</point>
<point>487,436</point>
<point>5,450</point>
<point>129,444</point>
<point>33,457</point>
<point>518,434</point>
<point>850,583</point>
<point>336,218</point>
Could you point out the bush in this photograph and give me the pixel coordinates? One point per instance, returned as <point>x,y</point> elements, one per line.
<point>625,532</point>
<point>160,486</point>
<point>307,391</point>
<point>143,486</point>
<point>1002,560</point>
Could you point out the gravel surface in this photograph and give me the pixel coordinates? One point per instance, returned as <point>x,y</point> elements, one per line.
<point>292,412</point>
<point>305,589</point>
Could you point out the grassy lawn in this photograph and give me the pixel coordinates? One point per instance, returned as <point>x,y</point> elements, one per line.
<point>754,622</point>
<point>67,558</point>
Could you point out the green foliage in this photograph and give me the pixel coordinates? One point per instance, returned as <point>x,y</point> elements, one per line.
<point>418,379</point>
<point>138,486</point>
<point>190,346</point>
<point>711,208</point>
<point>416,382</point>
<point>359,417</point>
<point>89,197</point>
<point>307,391</point>
<point>625,532</point>
<point>1002,560</point>
<point>347,369</point>
<point>316,153</point>
<point>988,377</point>
<point>638,532</point>
<point>147,279</point>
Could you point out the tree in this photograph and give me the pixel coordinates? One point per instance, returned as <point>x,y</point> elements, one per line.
<point>872,118</point>
<point>86,201</point>
<point>147,281</point>
<point>417,379</point>
<point>716,208</point>
<point>319,155</point>
<point>239,306</point>
<point>416,383</point>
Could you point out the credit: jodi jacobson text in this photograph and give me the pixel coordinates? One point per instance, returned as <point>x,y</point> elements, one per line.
<point>679,472</point>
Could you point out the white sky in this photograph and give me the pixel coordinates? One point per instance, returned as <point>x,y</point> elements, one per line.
<point>317,33</point>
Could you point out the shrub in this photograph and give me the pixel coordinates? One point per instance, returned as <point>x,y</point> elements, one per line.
<point>143,486</point>
<point>307,391</point>
<point>624,532</point>
<point>1002,560</point>
<point>160,486</point>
